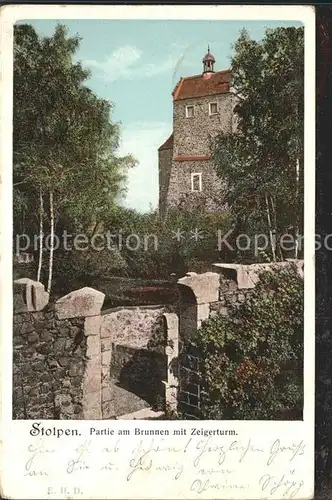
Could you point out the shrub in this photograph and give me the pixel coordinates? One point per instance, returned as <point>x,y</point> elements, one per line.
<point>252,360</point>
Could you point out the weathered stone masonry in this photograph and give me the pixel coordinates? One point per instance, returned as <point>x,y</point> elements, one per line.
<point>187,151</point>
<point>202,297</point>
<point>47,371</point>
<point>73,361</point>
<point>133,358</point>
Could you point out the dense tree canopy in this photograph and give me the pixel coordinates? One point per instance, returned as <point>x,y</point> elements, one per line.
<point>262,163</point>
<point>65,161</point>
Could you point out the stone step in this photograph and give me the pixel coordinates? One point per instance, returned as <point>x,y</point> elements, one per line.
<point>122,402</point>
<point>144,414</point>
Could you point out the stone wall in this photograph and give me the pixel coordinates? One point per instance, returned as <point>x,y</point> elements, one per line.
<point>191,135</point>
<point>49,359</point>
<point>56,353</point>
<point>202,297</point>
<point>132,326</point>
<point>134,362</point>
<point>166,187</point>
<point>72,361</point>
<point>211,184</point>
<point>177,189</point>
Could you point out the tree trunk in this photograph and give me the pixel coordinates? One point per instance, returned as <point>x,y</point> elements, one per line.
<point>50,267</point>
<point>270,228</point>
<point>273,206</point>
<point>297,208</point>
<point>41,233</point>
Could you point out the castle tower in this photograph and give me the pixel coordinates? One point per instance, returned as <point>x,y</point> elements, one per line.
<point>202,107</point>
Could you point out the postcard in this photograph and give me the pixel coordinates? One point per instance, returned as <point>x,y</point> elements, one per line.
<point>157,252</point>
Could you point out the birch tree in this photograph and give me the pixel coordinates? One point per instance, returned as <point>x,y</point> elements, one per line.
<point>65,143</point>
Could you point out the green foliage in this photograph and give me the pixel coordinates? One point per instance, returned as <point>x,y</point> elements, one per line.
<point>64,139</point>
<point>160,254</point>
<point>259,163</point>
<point>252,360</point>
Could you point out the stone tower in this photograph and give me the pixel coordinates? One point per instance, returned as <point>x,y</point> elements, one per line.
<point>202,107</point>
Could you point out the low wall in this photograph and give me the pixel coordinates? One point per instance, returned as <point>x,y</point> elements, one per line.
<point>56,354</point>
<point>73,361</point>
<point>203,296</point>
<point>49,359</point>
<point>134,363</point>
<point>132,326</point>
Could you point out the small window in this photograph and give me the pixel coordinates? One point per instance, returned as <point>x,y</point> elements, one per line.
<point>189,111</point>
<point>213,108</point>
<point>196,182</point>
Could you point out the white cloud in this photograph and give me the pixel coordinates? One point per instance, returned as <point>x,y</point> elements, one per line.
<point>118,64</point>
<point>142,140</point>
<point>125,62</point>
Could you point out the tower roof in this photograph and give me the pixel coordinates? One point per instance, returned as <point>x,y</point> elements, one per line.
<point>208,56</point>
<point>198,86</point>
<point>168,144</point>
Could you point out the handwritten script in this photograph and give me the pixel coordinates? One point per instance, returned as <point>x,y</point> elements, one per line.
<point>204,467</point>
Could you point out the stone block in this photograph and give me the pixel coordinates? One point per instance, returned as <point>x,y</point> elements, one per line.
<point>247,276</point>
<point>92,383</point>
<point>93,346</point>
<point>106,358</point>
<point>26,328</point>
<point>106,394</point>
<point>29,295</point>
<point>105,375</point>
<point>80,303</point>
<point>205,287</point>
<point>63,401</point>
<point>108,410</point>
<point>203,311</point>
<point>92,375</point>
<point>76,370</point>
<point>33,337</point>
<point>171,396</point>
<point>92,406</point>
<point>92,326</point>
<point>106,344</point>
<point>46,336</point>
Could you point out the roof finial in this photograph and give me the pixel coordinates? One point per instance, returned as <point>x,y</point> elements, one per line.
<point>208,62</point>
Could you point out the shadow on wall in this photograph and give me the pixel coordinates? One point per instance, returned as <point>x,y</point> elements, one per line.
<point>141,372</point>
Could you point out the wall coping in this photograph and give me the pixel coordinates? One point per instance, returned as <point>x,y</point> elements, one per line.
<point>80,303</point>
<point>205,287</point>
<point>29,296</point>
<point>247,275</point>
<point>132,308</point>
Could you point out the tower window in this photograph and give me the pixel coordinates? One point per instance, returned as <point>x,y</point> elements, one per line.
<point>190,111</point>
<point>196,182</point>
<point>213,108</point>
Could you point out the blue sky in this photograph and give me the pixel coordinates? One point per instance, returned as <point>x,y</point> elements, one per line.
<point>136,64</point>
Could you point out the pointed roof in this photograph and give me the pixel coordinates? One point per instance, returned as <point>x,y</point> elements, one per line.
<point>168,144</point>
<point>200,86</point>
<point>208,56</point>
